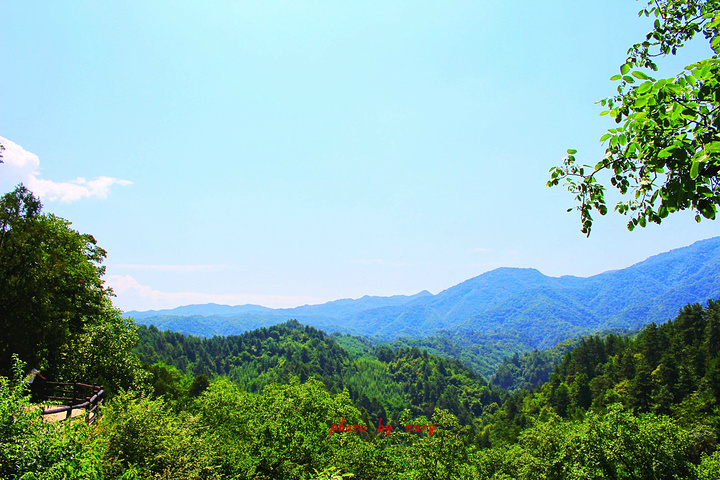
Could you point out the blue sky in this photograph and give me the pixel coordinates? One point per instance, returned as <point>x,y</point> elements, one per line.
<point>283,153</point>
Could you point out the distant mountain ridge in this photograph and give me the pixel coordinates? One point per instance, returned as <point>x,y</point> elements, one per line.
<point>334,308</point>
<point>545,310</point>
<point>200,309</point>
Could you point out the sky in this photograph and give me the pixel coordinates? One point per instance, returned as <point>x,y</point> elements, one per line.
<point>295,152</point>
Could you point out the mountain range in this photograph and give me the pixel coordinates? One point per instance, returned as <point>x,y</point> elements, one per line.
<point>517,302</point>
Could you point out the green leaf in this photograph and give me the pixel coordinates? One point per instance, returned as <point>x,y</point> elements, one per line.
<point>695,170</point>
<point>708,211</point>
<point>625,68</point>
<point>615,77</point>
<point>644,87</point>
<point>715,44</point>
<point>641,101</point>
<point>571,151</point>
<point>605,137</point>
<point>639,75</point>
<point>714,147</point>
<point>666,152</point>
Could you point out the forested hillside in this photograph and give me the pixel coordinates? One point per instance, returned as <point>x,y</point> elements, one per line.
<point>483,352</point>
<point>615,407</point>
<point>292,402</point>
<point>528,371</point>
<point>487,318</point>
<point>645,407</point>
<point>616,376</point>
<point>655,391</point>
<point>381,381</point>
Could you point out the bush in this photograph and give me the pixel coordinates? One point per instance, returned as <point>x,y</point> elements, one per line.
<point>31,449</point>
<point>143,438</point>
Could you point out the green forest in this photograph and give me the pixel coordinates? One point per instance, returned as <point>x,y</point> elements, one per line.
<point>290,401</point>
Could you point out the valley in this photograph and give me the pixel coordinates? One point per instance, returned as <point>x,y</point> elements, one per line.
<point>488,318</point>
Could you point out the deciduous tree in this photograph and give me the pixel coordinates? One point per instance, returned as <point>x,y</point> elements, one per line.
<point>664,153</point>
<point>55,312</point>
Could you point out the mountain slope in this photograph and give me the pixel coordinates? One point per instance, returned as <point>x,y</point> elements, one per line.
<point>545,310</point>
<point>381,381</point>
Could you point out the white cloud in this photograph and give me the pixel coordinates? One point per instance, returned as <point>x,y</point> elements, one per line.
<point>74,190</point>
<point>23,166</point>
<point>16,156</point>
<point>132,295</point>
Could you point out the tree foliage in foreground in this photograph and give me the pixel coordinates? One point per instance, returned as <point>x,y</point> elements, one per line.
<point>615,408</point>
<point>33,450</point>
<point>665,150</point>
<point>610,445</point>
<point>55,312</point>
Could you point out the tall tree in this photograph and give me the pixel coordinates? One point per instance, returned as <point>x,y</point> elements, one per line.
<point>665,150</point>
<point>54,307</point>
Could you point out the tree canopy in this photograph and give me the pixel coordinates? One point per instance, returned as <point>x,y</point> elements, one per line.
<point>55,312</point>
<point>615,408</point>
<point>664,152</point>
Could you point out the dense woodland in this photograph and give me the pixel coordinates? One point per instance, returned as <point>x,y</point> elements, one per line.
<point>382,382</point>
<point>274,403</point>
<point>290,402</point>
<point>261,405</point>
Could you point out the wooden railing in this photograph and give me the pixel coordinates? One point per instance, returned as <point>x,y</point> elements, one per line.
<point>75,396</point>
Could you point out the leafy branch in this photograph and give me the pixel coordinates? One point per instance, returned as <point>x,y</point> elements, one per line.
<point>665,151</point>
